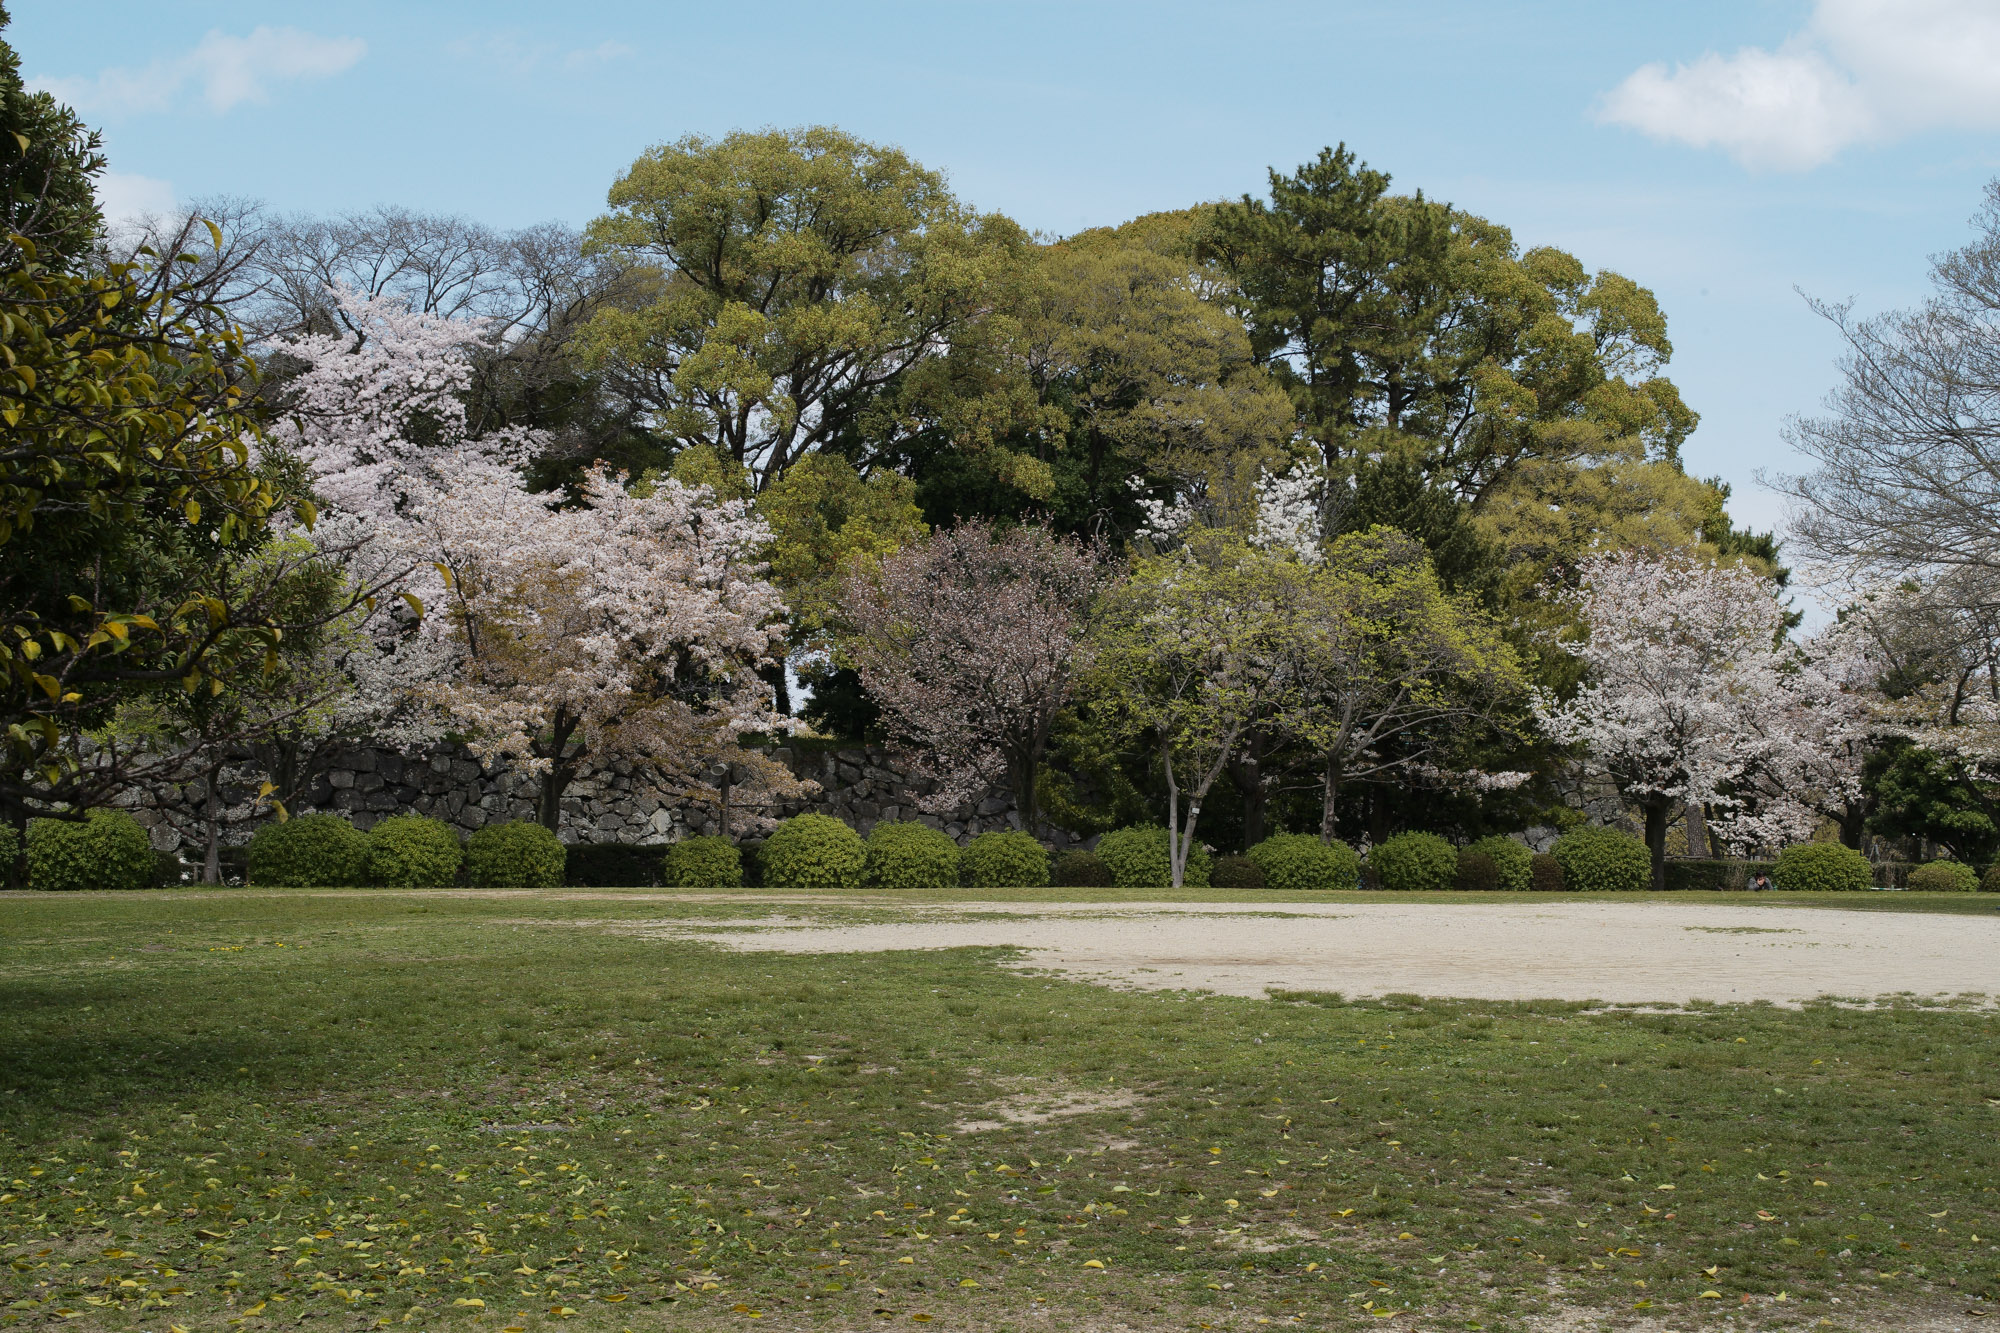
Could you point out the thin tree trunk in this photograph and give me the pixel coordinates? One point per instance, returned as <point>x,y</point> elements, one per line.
<point>1329,814</point>
<point>16,871</point>
<point>211,860</point>
<point>1656,840</point>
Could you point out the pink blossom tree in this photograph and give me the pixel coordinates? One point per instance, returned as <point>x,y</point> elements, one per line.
<point>971,642</point>
<point>1684,697</point>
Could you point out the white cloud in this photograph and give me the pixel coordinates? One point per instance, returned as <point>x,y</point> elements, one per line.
<point>126,197</point>
<point>1860,71</point>
<point>601,54</point>
<point>224,71</point>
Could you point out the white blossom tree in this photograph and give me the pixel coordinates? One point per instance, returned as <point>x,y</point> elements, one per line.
<point>1684,698</point>
<point>623,627</point>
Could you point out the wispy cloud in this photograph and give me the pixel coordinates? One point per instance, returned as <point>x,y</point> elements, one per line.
<point>223,71</point>
<point>123,197</point>
<point>509,50</point>
<point>1860,71</point>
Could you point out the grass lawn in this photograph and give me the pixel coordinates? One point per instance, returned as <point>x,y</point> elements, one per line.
<point>251,1110</point>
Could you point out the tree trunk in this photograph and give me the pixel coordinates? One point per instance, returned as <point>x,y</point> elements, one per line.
<point>1021,781</point>
<point>1656,840</point>
<point>1697,822</point>
<point>211,859</point>
<point>1853,824</point>
<point>548,801</point>
<point>1329,812</point>
<point>778,677</point>
<point>1251,782</point>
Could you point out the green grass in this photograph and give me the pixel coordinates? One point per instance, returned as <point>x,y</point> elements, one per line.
<point>346,1111</point>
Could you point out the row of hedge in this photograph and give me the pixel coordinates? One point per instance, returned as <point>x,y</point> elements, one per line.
<point>109,850</point>
<point>821,852</point>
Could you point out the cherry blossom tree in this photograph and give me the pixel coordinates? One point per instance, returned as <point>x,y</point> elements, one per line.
<point>971,642</point>
<point>1684,698</point>
<point>1828,711</point>
<point>624,626</point>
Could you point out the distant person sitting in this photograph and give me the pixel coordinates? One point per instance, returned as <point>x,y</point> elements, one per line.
<point>1761,883</point>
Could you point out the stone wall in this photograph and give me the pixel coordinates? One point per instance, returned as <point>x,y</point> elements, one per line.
<point>616,803</point>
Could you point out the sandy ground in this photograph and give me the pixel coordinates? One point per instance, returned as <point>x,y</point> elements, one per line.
<point>1620,953</point>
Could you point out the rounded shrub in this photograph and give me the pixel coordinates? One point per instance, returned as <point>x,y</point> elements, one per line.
<point>106,849</point>
<point>1235,872</point>
<point>1414,862</point>
<point>413,852</point>
<point>1139,859</point>
<point>1545,873</point>
<point>702,863</point>
<point>312,851</point>
<point>1510,861</point>
<point>1476,871</point>
<point>1299,861</point>
<point>910,856</point>
<point>1079,869</point>
<point>1931,877</point>
<point>1603,860</point>
<point>1816,867</point>
<point>813,852</point>
<point>518,854</point>
<point>1010,860</point>
<point>10,850</point>
<point>1990,883</point>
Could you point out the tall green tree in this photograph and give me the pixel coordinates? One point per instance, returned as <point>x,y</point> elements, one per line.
<point>1400,326</point>
<point>787,287</point>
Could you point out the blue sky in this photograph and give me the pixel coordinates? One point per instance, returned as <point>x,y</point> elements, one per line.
<point>1726,155</point>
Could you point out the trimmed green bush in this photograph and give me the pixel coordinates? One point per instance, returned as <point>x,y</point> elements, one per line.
<point>910,856</point>
<point>610,865</point>
<point>1080,870</point>
<point>813,852</point>
<point>10,850</point>
<point>1545,873</point>
<point>312,851</point>
<point>518,854</point>
<point>1822,867</point>
<point>1414,863</point>
<point>1476,871</point>
<point>1695,875</point>
<point>1300,861</point>
<point>1932,877</point>
<point>1603,860</point>
<point>1511,860</point>
<point>413,852</point>
<point>105,850</point>
<point>1009,860</point>
<point>1138,859</point>
<point>1235,872</point>
<point>702,863</point>
<point>1990,883</point>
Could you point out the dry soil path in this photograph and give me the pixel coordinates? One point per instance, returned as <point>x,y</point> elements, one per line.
<point>1621,953</point>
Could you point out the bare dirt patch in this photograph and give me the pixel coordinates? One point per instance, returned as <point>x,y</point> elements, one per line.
<point>1044,1102</point>
<point>1618,953</point>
